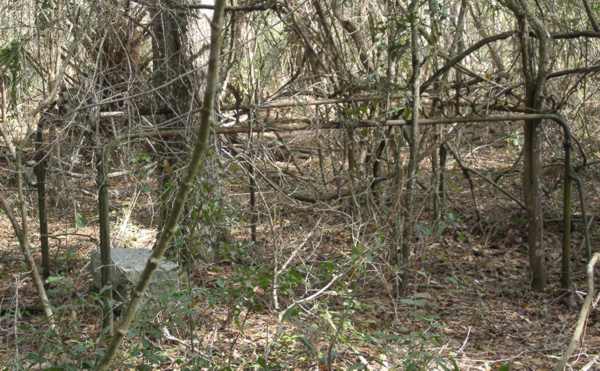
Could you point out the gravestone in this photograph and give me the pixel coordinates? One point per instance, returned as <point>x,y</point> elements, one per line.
<point>128,265</point>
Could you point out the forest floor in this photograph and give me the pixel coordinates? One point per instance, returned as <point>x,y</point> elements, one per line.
<point>468,305</point>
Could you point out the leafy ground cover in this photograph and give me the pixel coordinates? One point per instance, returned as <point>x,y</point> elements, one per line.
<point>468,305</point>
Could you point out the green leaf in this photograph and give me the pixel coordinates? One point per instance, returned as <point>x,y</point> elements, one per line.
<point>80,221</point>
<point>414,302</point>
<point>291,313</point>
<point>294,277</point>
<point>424,230</point>
<point>358,366</point>
<point>54,279</point>
<point>453,280</point>
<point>422,295</point>
<point>264,280</point>
<point>10,56</point>
<point>261,362</point>
<point>308,345</point>
<point>11,60</point>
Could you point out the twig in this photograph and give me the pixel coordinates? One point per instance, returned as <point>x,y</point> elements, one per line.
<point>312,297</point>
<point>334,341</point>
<point>490,181</point>
<point>167,335</point>
<point>590,364</point>
<point>586,228</point>
<point>464,344</point>
<point>585,241</point>
<point>583,315</point>
<point>287,263</point>
<point>16,320</point>
<point>466,172</point>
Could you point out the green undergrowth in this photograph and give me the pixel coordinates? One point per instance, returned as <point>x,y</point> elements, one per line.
<point>229,321</point>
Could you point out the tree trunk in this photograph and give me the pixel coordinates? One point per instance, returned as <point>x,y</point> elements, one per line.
<point>169,26</point>
<point>105,247</point>
<point>533,64</point>
<point>41,163</point>
<point>410,218</point>
<point>531,187</point>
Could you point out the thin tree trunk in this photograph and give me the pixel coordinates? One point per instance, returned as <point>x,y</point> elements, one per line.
<point>413,145</point>
<point>534,74</point>
<point>435,106</point>
<point>3,104</point>
<point>532,190</point>
<point>565,273</point>
<point>168,27</point>
<point>443,153</point>
<point>41,163</point>
<point>252,186</point>
<point>22,236</point>
<point>196,162</point>
<point>105,248</point>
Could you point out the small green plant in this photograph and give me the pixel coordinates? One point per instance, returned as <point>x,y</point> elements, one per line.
<point>515,139</point>
<point>80,220</point>
<point>11,59</point>
<point>70,351</point>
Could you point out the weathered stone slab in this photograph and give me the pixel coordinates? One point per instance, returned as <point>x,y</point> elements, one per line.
<point>128,265</point>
